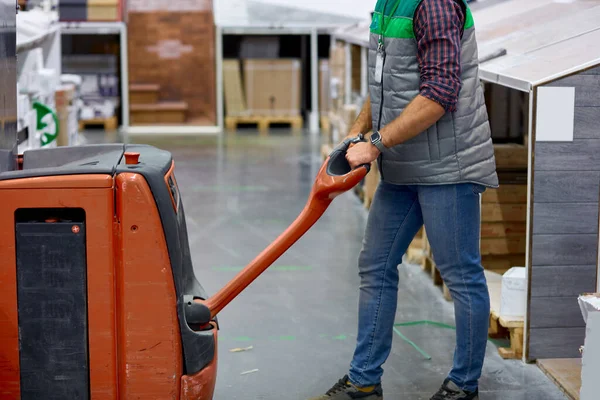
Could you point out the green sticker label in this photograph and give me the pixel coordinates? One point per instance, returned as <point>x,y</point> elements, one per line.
<point>47,125</point>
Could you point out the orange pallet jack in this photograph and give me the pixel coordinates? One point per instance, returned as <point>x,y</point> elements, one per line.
<point>98,295</point>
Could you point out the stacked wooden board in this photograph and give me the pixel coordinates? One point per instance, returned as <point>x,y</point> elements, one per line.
<point>324,95</point>
<point>268,92</point>
<point>504,211</point>
<point>503,217</point>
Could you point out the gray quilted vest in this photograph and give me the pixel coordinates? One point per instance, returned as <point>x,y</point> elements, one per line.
<point>456,149</point>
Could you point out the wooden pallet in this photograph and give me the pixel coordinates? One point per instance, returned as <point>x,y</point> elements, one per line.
<point>428,264</point>
<point>110,124</point>
<point>503,326</point>
<point>264,122</point>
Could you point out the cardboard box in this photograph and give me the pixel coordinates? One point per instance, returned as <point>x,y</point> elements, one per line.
<point>513,301</point>
<point>337,72</point>
<point>103,10</point>
<point>235,101</point>
<point>273,87</point>
<point>324,86</point>
<point>64,97</point>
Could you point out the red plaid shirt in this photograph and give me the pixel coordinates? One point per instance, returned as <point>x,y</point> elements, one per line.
<point>438,27</point>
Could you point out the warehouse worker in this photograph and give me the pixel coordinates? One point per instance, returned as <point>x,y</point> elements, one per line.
<point>431,137</point>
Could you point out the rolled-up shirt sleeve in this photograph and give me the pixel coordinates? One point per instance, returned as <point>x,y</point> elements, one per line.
<point>438,27</point>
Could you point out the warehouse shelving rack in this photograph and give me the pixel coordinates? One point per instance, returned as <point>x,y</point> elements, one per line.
<point>108,28</point>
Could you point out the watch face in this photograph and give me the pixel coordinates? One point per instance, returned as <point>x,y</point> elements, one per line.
<point>375,137</point>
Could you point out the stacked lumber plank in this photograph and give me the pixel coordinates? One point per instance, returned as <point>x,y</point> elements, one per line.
<point>504,211</point>
<point>503,227</point>
<point>428,265</point>
<point>503,218</point>
<point>416,252</point>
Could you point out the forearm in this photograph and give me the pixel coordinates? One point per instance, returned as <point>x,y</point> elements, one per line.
<point>418,116</point>
<point>363,123</point>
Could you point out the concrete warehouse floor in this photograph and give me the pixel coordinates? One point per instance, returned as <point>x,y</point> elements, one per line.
<point>300,317</point>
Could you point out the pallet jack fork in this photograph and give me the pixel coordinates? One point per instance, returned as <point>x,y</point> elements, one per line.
<point>99,298</point>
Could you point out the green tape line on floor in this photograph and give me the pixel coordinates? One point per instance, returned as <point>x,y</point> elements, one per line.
<point>284,268</point>
<point>407,340</point>
<point>497,342</point>
<point>426,322</point>
<point>228,188</point>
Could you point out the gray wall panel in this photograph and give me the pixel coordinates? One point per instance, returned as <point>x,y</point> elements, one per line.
<point>562,280</point>
<point>555,312</point>
<point>579,155</point>
<point>586,89</point>
<point>566,186</point>
<point>563,218</point>
<point>586,124</point>
<point>592,71</point>
<point>555,342</point>
<point>564,249</point>
<point>564,243</point>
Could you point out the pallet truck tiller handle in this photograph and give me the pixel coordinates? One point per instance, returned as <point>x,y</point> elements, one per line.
<point>334,178</point>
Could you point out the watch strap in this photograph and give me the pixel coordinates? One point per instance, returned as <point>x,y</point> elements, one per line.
<point>378,143</point>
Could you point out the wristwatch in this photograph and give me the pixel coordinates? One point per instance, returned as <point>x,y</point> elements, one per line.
<point>376,141</point>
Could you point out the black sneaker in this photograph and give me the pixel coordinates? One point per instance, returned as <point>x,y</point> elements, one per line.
<point>344,390</point>
<point>450,391</point>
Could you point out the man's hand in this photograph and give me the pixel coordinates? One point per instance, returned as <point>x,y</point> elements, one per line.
<point>362,153</point>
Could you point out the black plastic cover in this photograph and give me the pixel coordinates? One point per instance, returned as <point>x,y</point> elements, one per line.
<point>52,293</point>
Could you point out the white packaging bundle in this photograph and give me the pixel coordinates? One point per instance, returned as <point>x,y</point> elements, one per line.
<point>514,293</point>
<point>590,364</point>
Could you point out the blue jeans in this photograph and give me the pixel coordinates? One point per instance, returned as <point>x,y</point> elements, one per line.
<point>451,217</point>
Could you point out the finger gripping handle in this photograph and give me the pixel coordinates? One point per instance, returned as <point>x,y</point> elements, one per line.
<point>338,164</point>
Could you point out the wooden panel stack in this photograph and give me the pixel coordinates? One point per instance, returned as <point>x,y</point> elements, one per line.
<point>171,44</point>
<point>503,218</point>
<point>504,211</point>
<point>235,100</point>
<point>427,262</point>
<point>416,252</point>
<point>324,95</point>
<point>337,68</point>
<point>503,227</point>
<point>337,73</point>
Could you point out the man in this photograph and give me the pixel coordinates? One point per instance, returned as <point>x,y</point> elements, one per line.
<point>431,138</point>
